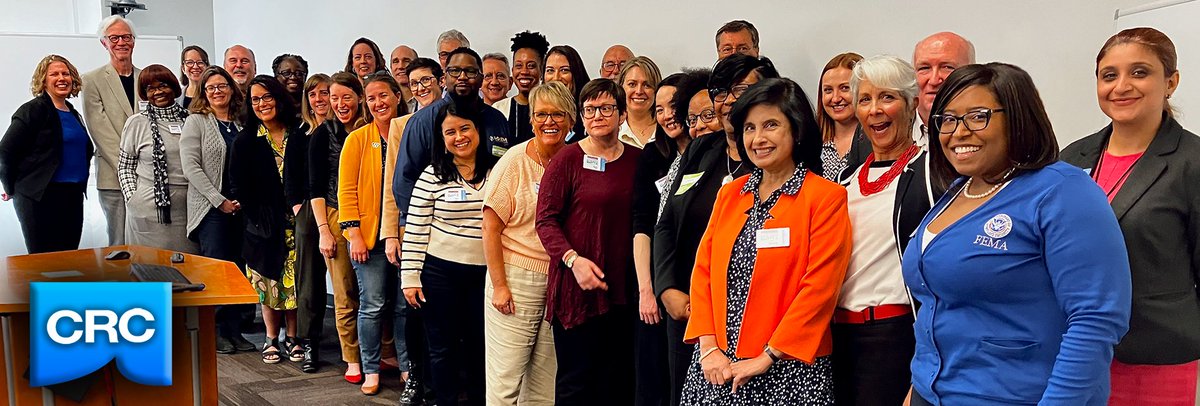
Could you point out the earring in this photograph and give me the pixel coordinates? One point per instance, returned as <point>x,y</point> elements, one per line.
<point>1168,96</point>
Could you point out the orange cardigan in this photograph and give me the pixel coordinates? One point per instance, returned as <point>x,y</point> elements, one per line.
<point>360,182</point>
<point>794,289</point>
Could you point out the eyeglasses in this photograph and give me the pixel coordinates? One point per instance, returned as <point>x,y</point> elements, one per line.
<point>194,63</point>
<point>471,73</point>
<point>118,38</point>
<point>706,115</point>
<point>541,116</point>
<point>612,65</point>
<point>159,87</point>
<point>721,95</point>
<point>425,82</point>
<point>223,87</point>
<point>606,110</point>
<point>266,98</point>
<point>294,74</point>
<point>974,120</point>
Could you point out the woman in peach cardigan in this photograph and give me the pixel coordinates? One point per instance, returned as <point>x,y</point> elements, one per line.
<point>771,263</point>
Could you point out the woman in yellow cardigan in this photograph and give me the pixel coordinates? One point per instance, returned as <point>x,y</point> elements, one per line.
<point>360,198</point>
<point>770,264</point>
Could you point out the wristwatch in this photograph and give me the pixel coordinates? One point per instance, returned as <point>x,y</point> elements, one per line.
<point>570,260</point>
<point>771,354</point>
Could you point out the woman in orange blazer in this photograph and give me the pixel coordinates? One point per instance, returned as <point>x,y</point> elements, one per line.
<point>771,263</point>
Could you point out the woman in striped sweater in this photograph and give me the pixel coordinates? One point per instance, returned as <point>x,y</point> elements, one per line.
<point>442,266</point>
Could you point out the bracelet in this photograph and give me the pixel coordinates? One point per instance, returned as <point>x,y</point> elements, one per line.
<point>708,352</point>
<point>349,224</point>
<point>323,225</point>
<point>774,358</point>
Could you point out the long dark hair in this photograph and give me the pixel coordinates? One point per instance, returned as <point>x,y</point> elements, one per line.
<point>789,97</point>
<point>285,107</point>
<point>663,142</point>
<point>443,161</point>
<point>1031,141</point>
<point>578,71</point>
<point>380,63</point>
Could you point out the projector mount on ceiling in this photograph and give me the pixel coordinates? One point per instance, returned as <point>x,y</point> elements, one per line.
<point>123,7</point>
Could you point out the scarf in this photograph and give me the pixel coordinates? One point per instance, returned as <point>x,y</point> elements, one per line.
<point>162,193</point>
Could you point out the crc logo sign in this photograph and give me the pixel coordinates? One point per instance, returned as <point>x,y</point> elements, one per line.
<point>76,328</point>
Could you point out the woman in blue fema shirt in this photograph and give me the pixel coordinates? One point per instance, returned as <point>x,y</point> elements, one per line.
<point>1020,268</point>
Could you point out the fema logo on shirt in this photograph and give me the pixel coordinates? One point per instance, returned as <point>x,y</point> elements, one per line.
<point>76,328</point>
<point>999,226</point>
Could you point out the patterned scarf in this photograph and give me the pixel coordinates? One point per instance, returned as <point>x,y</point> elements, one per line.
<point>162,195</point>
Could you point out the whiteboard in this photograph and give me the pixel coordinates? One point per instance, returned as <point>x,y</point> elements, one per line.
<point>22,53</point>
<point>1178,19</point>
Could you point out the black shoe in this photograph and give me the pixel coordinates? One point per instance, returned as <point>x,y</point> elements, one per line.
<point>311,361</point>
<point>224,346</point>
<point>412,394</point>
<point>241,343</point>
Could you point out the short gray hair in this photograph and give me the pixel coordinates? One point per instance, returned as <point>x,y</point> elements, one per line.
<point>107,22</point>
<point>887,72</point>
<point>497,56</point>
<point>454,35</point>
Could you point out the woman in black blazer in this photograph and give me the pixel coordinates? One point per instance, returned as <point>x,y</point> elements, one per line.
<point>44,160</point>
<point>1147,165</point>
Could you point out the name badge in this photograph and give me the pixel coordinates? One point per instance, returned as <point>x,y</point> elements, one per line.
<point>537,187</point>
<point>498,151</point>
<point>687,182</point>
<point>456,195</point>
<point>662,184</point>
<point>143,105</point>
<point>772,238</point>
<point>594,163</point>
<point>175,128</point>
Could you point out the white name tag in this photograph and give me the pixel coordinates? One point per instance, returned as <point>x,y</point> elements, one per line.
<point>662,184</point>
<point>456,195</point>
<point>687,182</point>
<point>772,238</point>
<point>175,128</point>
<point>143,105</point>
<point>498,151</point>
<point>537,187</point>
<point>594,163</point>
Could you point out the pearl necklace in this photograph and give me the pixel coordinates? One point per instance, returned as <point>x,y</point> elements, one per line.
<point>966,193</point>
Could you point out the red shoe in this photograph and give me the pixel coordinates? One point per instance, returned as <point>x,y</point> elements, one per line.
<point>354,379</point>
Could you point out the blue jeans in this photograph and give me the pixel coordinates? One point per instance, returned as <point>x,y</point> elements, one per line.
<point>379,297</point>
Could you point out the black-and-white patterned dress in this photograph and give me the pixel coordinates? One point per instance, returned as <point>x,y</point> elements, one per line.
<point>833,162</point>
<point>787,382</point>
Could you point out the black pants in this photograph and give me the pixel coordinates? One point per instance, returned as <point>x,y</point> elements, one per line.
<point>871,361</point>
<point>651,379</point>
<point>595,360</point>
<point>310,276</point>
<point>679,357</point>
<point>220,237</point>
<point>454,328</point>
<point>917,400</point>
<point>54,223</point>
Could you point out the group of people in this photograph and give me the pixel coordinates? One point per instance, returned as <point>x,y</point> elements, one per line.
<point>707,237</point>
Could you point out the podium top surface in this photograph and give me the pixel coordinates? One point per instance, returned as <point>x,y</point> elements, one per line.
<point>224,282</point>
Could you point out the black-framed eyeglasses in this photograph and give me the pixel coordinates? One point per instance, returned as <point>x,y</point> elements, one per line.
<point>293,74</point>
<point>613,65</point>
<point>706,115</point>
<point>425,82</point>
<point>471,73</point>
<point>541,116</point>
<point>159,87</point>
<point>118,38</point>
<point>974,120</point>
<point>223,87</point>
<point>254,101</point>
<point>194,63</point>
<point>721,95</point>
<point>606,110</point>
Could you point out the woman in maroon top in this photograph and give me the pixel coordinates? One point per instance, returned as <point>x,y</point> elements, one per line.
<point>585,221</point>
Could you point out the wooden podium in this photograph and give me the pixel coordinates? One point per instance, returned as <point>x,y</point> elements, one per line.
<point>194,362</point>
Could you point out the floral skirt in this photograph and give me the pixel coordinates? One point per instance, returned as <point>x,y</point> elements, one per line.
<point>278,294</point>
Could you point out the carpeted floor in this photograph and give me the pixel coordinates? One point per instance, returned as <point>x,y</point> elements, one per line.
<point>243,379</point>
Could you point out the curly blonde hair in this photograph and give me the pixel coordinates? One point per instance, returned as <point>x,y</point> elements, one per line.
<point>38,85</point>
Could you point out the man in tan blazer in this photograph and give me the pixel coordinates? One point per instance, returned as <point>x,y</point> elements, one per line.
<point>109,98</point>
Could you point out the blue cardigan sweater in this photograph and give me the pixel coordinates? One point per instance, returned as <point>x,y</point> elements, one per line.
<point>1022,299</point>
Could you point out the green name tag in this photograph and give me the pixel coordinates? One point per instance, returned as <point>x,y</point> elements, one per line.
<point>687,182</point>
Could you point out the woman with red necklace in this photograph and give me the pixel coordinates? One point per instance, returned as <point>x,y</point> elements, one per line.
<point>888,195</point>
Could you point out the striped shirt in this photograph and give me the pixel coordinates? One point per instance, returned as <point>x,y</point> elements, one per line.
<point>444,220</point>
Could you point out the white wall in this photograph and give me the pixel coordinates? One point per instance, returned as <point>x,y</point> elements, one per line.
<point>190,19</point>
<point>1055,41</point>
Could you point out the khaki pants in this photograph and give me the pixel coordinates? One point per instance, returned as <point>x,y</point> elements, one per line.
<point>345,291</point>
<point>520,364</point>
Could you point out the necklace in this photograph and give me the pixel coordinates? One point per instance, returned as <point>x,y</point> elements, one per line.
<point>225,126</point>
<point>729,178</point>
<point>869,188</point>
<point>538,151</point>
<point>966,193</point>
